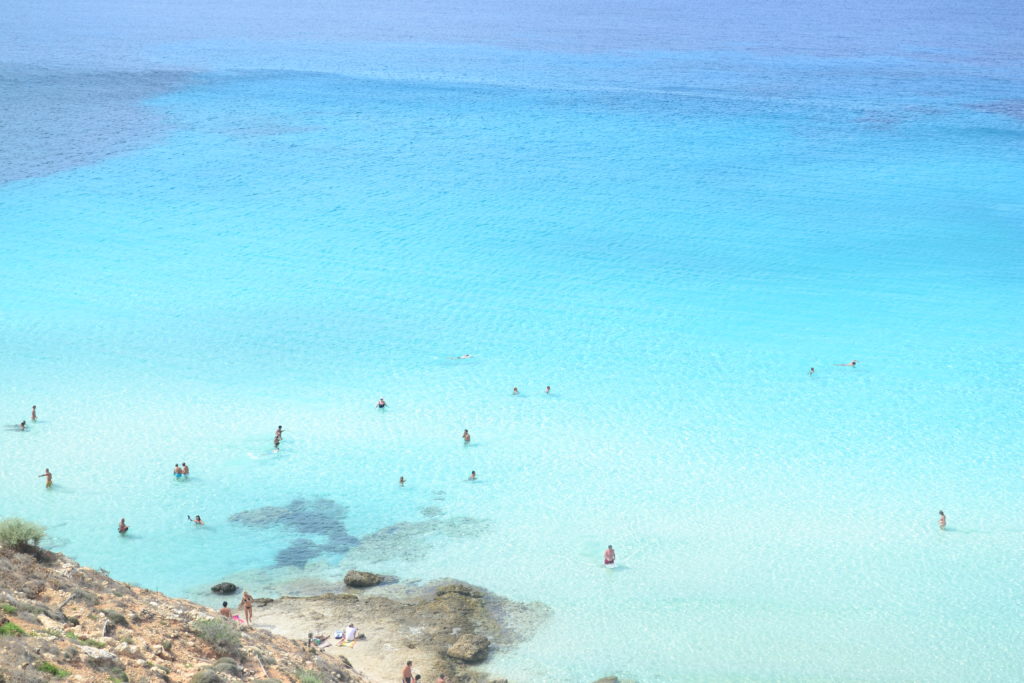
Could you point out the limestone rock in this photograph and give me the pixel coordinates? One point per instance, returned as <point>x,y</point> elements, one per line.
<point>97,656</point>
<point>357,579</point>
<point>225,588</point>
<point>469,648</point>
<point>608,679</point>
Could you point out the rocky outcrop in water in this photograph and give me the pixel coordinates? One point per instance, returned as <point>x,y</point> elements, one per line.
<point>225,588</point>
<point>358,579</point>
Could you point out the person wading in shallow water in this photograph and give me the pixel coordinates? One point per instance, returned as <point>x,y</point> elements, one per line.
<point>942,520</point>
<point>49,477</point>
<point>465,436</point>
<point>609,556</point>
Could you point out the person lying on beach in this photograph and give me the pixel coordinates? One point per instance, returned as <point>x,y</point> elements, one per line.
<point>407,672</point>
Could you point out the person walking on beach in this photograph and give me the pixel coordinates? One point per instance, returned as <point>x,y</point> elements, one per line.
<point>33,413</point>
<point>49,477</point>
<point>609,556</point>
<point>246,606</point>
<point>122,528</point>
<point>942,520</point>
<point>465,436</point>
<point>407,672</point>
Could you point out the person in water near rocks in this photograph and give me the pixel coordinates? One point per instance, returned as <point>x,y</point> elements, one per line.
<point>49,477</point>
<point>246,606</point>
<point>407,672</point>
<point>942,520</point>
<point>465,436</point>
<point>224,610</point>
<point>198,520</point>
<point>33,413</point>
<point>609,556</point>
<point>178,472</point>
<point>122,528</point>
<point>382,403</point>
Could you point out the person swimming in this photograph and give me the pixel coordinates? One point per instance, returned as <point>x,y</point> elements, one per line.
<point>382,403</point>
<point>851,364</point>
<point>811,372</point>
<point>609,556</point>
<point>515,391</point>
<point>49,477</point>
<point>198,520</point>
<point>401,481</point>
<point>122,528</point>
<point>472,475</point>
<point>547,389</point>
<point>942,520</point>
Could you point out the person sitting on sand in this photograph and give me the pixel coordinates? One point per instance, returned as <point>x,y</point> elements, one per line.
<point>122,528</point>
<point>382,403</point>
<point>350,634</point>
<point>224,610</point>
<point>609,556</point>
<point>49,477</point>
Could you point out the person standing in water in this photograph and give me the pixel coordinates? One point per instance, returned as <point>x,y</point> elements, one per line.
<point>278,437</point>
<point>177,471</point>
<point>246,606</point>
<point>22,427</point>
<point>184,468</point>
<point>811,372</point>
<point>401,481</point>
<point>609,556</point>
<point>547,390</point>
<point>122,528</point>
<point>515,391</point>
<point>465,436</point>
<point>382,403</point>
<point>33,413</point>
<point>49,477</point>
<point>942,520</point>
<point>472,475</point>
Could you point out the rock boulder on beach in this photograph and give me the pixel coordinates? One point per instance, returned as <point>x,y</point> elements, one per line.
<point>469,648</point>
<point>358,579</point>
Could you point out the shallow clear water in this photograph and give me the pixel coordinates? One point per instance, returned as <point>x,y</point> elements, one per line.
<point>669,227</point>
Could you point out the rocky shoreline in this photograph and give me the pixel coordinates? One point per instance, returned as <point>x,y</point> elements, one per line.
<point>59,619</point>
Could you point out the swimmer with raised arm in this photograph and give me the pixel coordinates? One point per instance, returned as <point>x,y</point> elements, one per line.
<point>198,520</point>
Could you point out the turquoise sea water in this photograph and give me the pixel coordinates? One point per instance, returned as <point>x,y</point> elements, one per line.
<point>213,227</point>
